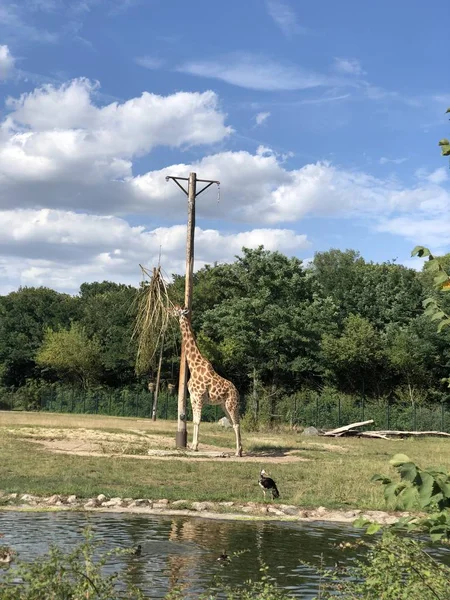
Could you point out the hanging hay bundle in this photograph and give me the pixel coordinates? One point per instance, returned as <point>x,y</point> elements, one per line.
<point>152,320</point>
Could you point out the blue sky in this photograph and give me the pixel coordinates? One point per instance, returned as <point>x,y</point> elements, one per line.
<point>321,121</point>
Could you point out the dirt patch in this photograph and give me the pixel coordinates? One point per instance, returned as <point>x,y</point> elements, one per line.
<point>139,445</point>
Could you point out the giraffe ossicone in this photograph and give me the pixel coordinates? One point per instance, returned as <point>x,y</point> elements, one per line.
<point>205,385</point>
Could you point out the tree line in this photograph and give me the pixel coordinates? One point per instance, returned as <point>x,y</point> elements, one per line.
<point>279,329</point>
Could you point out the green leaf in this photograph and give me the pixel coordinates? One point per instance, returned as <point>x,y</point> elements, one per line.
<point>408,471</point>
<point>361,522</point>
<point>445,487</point>
<point>434,265</point>
<point>438,315</point>
<point>409,497</point>
<point>428,301</point>
<point>443,324</point>
<point>440,278</point>
<point>421,250</point>
<point>373,528</point>
<point>399,459</point>
<point>425,489</point>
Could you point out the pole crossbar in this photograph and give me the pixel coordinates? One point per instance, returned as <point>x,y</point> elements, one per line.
<point>191,193</point>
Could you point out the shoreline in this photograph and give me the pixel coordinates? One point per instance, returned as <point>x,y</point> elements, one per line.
<point>250,511</point>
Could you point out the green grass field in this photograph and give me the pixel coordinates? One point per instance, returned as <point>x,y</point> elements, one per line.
<point>335,474</point>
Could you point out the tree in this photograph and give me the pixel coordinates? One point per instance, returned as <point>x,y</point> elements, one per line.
<point>71,354</point>
<point>24,317</point>
<point>409,356</point>
<point>356,358</point>
<point>108,314</point>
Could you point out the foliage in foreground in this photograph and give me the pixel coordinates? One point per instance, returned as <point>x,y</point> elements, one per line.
<point>71,576</point>
<point>396,569</point>
<point>427,489</point>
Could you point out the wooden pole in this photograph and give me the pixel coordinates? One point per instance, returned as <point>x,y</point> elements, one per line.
<point>191,193</point>
<point>181,436</point>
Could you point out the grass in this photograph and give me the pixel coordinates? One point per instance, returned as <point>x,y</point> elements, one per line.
<point>336,475</point>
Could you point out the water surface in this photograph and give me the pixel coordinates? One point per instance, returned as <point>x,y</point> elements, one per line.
<point>184,550</point>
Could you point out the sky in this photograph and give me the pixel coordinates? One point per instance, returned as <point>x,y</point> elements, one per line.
<point>320,119</point>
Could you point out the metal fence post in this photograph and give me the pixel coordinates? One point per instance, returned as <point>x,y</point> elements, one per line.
<point>388,414</point>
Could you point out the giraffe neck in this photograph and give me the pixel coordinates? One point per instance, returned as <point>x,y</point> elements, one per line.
<point>192,352</point>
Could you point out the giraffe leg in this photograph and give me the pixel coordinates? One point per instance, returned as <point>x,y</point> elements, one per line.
<point>196,417</point>
<point>232,409</point>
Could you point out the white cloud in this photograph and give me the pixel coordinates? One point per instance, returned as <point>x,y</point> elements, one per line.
<point>396,161</point>
<point>420,230</point>
<point>6,62</point>
<point>14,25</point>
<point>256,73</point>
<point>261,117</point>
<point>438,176</point>
<point>348,66</point>
<point>62,249</point>
<point>57,149</point>
<point>149,62</point>
<point>284,17</point>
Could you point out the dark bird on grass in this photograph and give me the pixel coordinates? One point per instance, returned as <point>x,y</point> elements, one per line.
<point>138,550</point>
<point>268,485</point>
<point>224,557</point>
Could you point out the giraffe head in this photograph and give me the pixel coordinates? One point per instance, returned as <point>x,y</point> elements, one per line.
<point>179,311</point>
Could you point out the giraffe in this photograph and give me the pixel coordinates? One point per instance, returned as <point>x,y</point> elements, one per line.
<point>205,385</point>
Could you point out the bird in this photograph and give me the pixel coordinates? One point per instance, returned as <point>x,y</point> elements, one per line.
<point>223,557</point>
<point>268,484</point>
<point>6,556</point>
<point>137,551</point>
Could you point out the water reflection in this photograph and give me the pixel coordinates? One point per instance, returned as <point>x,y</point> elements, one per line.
<point>183,552</point>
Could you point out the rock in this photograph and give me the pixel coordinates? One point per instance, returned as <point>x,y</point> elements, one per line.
<point>275,511</point>
<point>202,506</point>
<point>311,431</point>
<point>224,422</point>
<point>226,504</point>
<point>72,499</point>
<point>247,509</point>
<point>163,501</point>
<point>140,502</point>
<point>321,510</point>
<point>29,498</point>
<point>351,514</point>
<point>101,498</point>
<point>179,502</point>
<point>113,502</point>
<point>159,506</point>
<point>288,509</point>
<point>55,499</point>
<point>12,496</point>
<point>92,503</point>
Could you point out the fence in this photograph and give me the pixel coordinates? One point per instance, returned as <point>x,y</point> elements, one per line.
<point>119,403</point>
<point>322,411</point>
<point>386,415</point>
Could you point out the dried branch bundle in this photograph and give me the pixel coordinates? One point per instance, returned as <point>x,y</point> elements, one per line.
<point>152,319</point>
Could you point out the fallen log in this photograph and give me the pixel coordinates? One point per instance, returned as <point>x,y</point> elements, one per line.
<point>372,434</point>
<point>341,430</point>
<point>395,433</point>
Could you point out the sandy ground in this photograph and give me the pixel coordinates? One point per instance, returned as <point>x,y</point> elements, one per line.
<point>144,446</point>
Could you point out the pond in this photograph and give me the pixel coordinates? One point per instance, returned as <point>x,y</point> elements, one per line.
<point>181,550</point>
